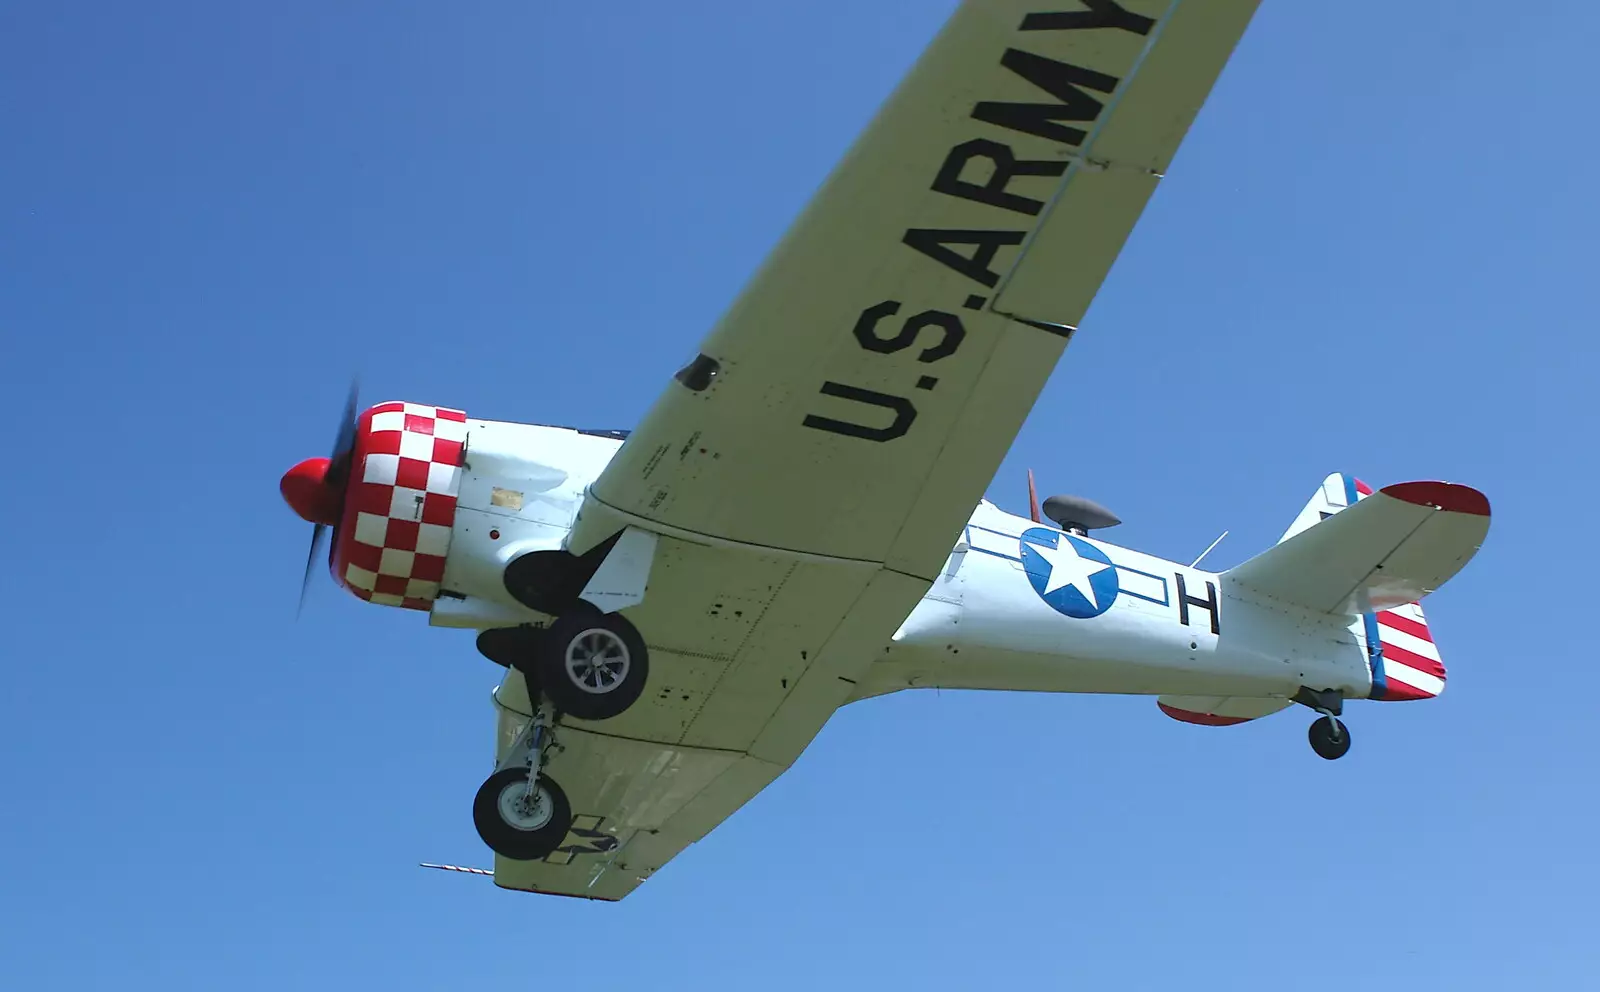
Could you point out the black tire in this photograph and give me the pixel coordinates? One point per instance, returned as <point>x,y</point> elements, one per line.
<point>527,841</point>
<point>1329,737</point>
<point>596,692</point>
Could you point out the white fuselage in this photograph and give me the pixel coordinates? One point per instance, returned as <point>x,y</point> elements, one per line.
<point>1163,628</point>
<point>1169,629</point>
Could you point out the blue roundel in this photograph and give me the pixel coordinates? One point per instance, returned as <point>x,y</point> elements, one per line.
<point>1071,575</point>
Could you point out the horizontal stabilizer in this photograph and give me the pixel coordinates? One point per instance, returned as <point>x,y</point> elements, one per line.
<point>1388,549</point>
<point>1219,711</point>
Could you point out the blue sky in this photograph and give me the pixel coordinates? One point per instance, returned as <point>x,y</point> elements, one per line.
<point>1374,254</point>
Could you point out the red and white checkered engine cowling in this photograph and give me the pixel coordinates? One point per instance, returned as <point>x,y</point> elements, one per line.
<point>405,475</point>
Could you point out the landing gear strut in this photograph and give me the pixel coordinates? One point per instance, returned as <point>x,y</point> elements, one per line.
<point>521,813</point>
<point>1329,737</point>
<point>587,664</point>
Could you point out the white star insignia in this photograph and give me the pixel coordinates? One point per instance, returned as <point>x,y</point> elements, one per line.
<point>1068,568</point>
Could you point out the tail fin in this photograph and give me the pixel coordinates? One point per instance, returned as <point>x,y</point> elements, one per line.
<point>1336,492</point>
<point>1401,653</point>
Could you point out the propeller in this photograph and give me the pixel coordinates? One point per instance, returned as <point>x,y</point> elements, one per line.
<point>317,530</point>
<point>1033,499</point>
<point>346,438</point>
<point>315,488</point>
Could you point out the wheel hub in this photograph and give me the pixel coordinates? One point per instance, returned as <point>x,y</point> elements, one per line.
<point>597,661</point>
<point>523,811</point>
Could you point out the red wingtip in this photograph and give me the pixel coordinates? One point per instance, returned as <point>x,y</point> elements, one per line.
<point>1033,499</point>
<point>1444,495</point>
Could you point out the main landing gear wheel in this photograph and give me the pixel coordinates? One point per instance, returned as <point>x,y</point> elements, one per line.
<point>591,665</point>
<point>516,825</point>
<point>1330,738</point>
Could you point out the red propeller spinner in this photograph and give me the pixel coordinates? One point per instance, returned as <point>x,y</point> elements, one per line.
<point>315,488</point>
<point>305,489</point>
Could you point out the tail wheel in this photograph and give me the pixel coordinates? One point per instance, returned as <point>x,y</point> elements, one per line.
<point>518,825</point>
<point>592,665</point>
<point>1329,737</point>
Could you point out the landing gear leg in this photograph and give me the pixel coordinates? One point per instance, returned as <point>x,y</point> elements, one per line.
<point>520,812</point>
<point>1329,737</point>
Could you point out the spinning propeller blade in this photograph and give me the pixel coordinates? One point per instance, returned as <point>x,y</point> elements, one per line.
<point>346,438</point>
<point>333,483</point>
<point>317,530</point>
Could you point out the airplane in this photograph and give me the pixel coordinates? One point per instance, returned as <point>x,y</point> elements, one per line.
<point>799,522</point>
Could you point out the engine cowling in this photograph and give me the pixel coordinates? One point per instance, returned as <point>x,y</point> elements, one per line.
<point>393,513</point>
